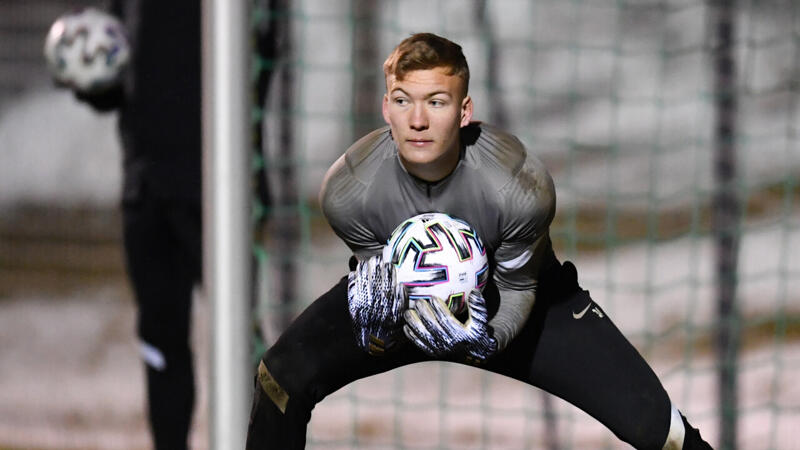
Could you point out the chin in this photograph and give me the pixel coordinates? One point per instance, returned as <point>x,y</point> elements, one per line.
<point>420,155</point>
<point>418,160</point>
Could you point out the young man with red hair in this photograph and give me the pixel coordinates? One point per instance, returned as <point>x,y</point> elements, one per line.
<point>532,322</point>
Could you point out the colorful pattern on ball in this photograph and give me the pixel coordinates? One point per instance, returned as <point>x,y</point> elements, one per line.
<point>437,255</point>
<point>87,50</point>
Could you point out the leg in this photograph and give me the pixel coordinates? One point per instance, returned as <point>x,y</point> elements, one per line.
<point>571,349</point>
<point>314,357</point>
<point>163,273</point>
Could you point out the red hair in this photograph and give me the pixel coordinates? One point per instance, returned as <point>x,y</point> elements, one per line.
<point>424,51</point>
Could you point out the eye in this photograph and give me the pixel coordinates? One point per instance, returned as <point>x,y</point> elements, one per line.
<point>402,101</point>
<point>436,103</point>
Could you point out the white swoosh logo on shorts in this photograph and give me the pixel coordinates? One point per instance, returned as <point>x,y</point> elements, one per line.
<point>580,314</point>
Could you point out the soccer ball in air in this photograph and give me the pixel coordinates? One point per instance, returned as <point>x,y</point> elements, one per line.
<point>437,255</point>
<point>87,50</point>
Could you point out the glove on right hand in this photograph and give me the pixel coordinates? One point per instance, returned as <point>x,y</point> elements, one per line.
<point>376,302</point>
<point>437,332</point>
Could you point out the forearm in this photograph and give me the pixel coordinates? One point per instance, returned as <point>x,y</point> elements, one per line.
<point>512,314</point>
<point>517,281</point>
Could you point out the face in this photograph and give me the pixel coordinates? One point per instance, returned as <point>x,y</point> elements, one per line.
<point>426,110</point>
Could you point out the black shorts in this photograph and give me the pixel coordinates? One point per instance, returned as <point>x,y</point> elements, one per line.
<point>569,348</point>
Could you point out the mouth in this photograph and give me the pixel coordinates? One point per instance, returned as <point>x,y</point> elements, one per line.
<point>419,142</point>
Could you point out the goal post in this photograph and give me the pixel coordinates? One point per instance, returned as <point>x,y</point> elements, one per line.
<point>227,199</point>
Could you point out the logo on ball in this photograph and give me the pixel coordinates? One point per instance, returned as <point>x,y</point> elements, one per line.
<point>437,255</point>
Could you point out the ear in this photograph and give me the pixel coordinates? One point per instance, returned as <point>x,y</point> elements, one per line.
<point>466,111</point>
<point>385,109</point>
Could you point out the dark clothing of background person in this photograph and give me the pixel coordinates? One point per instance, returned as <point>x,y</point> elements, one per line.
<point>160,132</point>
<point>159,115</point>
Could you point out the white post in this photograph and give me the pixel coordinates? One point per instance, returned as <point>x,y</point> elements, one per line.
<point>227,203</point>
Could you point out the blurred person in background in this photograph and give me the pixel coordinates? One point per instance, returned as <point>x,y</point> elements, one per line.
<point>158,99</point>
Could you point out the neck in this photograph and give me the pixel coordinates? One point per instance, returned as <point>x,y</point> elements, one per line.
<point>436,170</point>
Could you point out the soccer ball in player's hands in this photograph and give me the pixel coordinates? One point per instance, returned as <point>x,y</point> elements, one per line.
<point>436,255</point>
<point>87,50</point>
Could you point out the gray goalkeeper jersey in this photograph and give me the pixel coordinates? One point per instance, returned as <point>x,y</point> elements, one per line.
<point>498,188</point>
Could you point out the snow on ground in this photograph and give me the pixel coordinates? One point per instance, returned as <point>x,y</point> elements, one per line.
<point>71,374</point>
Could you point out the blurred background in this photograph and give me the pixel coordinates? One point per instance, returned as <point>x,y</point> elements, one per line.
<point>670,129</point>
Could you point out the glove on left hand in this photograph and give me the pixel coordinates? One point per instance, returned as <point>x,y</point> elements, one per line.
<point>435,330</point>
<point>376,302</point>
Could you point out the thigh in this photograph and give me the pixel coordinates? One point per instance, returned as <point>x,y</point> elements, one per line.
<point>157,269</point>
<point>184,217</point>
<point>572,349</point>
<point>317,354</point>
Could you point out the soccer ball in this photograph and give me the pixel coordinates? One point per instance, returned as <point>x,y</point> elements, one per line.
<point>437,255</point>
<point>87,50</point>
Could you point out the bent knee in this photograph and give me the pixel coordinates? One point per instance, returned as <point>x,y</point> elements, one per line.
<point>653,428</point>
<point>285,375</point>
<point>268,386</point>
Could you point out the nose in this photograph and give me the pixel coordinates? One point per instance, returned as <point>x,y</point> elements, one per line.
<point>419,118</point>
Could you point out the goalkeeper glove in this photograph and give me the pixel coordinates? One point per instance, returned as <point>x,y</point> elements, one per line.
<point>376,302</point>
<point>434,329</point>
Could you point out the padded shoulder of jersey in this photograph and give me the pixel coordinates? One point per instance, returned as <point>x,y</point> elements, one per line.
<point>525,188</point>
<point>345,186</point>
<point>496,153</point>
<point>365,156</point>
<point>347,177</point>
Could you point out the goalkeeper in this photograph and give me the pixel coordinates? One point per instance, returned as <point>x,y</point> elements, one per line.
<point>533,322</point>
